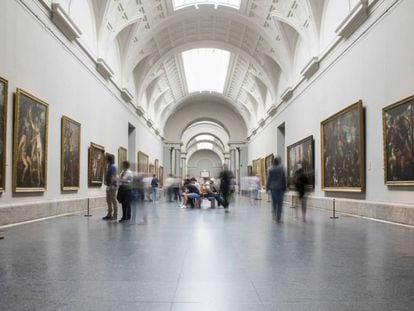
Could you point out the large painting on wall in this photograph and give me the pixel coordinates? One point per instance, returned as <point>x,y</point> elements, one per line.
<point>30,143</point>
<point>151,169</point>
<point>301,155</point>
<point>70,154</point>
<point>161,178</point>
<point>263,173</point>
<point>3,131</point>
<point>122,156</point>
<point>157,166</point>
<point>256,167</point>
<point>343,150</point>
<point>96,165</point>
<point>268,162</point>
<point>398,127</point>
<point>143,162</point>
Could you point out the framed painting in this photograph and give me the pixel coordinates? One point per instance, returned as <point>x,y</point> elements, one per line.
<point>398,135</point>
<point>301,155</point>
<point>151,169</point>
<point>30,143</point>
<point>3,131</point>
<point>96,165</point>
<point>157,164</point>
<point>161,178</point>
<point>122,156</point>
<point>263,173</point>
<point>343,150</point>
<point>143,162</point>
<point>70,154</point>
<point>268,162</point>
<point>249,170</point>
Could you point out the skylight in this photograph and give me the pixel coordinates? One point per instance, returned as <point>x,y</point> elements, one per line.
<point>179,4</point>
<point>206,69</point>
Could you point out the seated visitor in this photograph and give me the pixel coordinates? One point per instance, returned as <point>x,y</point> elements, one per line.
<point>191,192</point>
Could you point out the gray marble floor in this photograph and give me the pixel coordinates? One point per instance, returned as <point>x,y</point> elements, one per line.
<point>208,260</point>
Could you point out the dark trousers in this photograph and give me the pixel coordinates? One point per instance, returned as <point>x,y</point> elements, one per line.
<point>170,192</point>
<point>177,194</point>
<point>277,203</point>
<point>126,210</point>
<point>226,199</point>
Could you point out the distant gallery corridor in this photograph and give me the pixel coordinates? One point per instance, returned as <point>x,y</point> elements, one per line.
<point>192,259</point>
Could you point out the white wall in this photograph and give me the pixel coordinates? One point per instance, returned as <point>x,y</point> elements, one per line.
<point>378,69</point>
<point>33,59</point>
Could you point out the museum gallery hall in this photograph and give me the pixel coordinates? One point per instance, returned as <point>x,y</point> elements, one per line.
<point>207,155</point>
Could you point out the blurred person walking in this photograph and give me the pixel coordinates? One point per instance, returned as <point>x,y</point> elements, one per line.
<point>276,184</point>
<point>111,182</point>
<point>137,194</point>
<point>169,184</point>
<point>301,182</point>
<point>226,184</point>
<point>154,189</point>
<point>124,191</point>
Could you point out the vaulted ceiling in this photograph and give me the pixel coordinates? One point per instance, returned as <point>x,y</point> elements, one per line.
<point>270,43</point>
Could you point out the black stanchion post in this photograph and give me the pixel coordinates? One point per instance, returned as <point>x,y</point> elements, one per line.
<point>334,210</point>
<point>88,214</point>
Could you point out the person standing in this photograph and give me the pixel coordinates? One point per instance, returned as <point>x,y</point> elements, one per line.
<point>301,182</point>
<point>169,184</point>
<point>226,180</point>
<point>276,184</point>
<point>137,202</point>
<point>124,192</point>
<point>154,189</point>
<point>111,182</point>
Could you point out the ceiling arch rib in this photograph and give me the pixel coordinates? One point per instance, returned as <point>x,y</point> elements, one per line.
<point>194,24</point>
<point>210,99</point>
<point>244,71</point>
<point>204,136</point>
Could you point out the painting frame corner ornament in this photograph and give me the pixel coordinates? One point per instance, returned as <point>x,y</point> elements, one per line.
<point>343,146</point>
<point>4,93</point>
<point>398,143</point>
<point>70,151</point>
<point>303,152</point>
<point>30,143</point>
<point>122,156</point>
<point>96,165</point>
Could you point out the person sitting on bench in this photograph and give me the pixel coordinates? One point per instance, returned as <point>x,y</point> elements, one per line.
<point>191,192</point>
<point>211,193</point>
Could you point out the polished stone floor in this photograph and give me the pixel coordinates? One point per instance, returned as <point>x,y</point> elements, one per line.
<point>208,260</point>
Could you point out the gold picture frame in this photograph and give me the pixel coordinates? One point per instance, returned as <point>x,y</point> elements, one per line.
<point>142,162</point>
<point>157,164</point>
<point>161,177</point>
<point>397,121</point>
<point>343,150</point>
<point>96,165</point>
<point>122,156</point>
<point>263,173</point>
<point>30,143</point>
<point>4,92</point>
<point>301,155</point>
<point>151,169</point>
<point>268,162</point>
<point>70,147</point>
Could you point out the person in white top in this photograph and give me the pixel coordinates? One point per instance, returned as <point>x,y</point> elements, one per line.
<point>124,192</point>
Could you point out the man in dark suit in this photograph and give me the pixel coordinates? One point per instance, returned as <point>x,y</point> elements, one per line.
<point>276,184</point>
